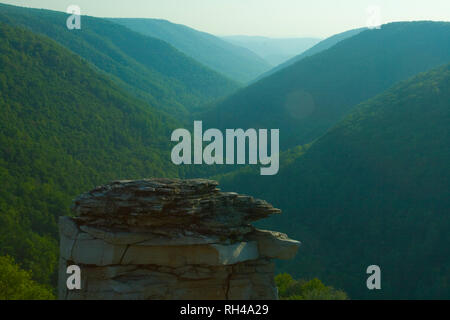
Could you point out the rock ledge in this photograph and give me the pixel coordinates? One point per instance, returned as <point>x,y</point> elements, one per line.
<point>170,239</point>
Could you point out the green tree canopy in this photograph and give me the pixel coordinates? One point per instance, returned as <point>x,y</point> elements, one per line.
<point>16,284</point>
<point>290,289</point>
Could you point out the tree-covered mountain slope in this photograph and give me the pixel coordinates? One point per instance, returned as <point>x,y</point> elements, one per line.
<point>374,190</point>
<point>319,47</point>
<point>236,62</point>
<point>64,128</point>
<point>274,50</point>
<point>149,68</point>
<point>309,97</point>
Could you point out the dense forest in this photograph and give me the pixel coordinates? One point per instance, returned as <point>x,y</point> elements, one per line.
<point>64,128</point>
<point>373,190</point>
<point>308,97</point>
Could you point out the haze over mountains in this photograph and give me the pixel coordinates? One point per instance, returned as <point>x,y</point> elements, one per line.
<point>308,97</point>
<point>364,119</point>
<point>273,50</point>
<point>236,62</point>
<point>149,68</point>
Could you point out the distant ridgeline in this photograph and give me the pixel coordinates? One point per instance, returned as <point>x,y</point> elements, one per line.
<point>321,46</point>
<point>235,62</point>
<point>308,97</point>
<point>147,68</point>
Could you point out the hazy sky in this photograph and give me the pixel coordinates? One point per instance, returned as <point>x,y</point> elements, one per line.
<point>275,18</point>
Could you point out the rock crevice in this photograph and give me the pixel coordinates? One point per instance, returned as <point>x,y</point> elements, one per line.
<point>170,239</point>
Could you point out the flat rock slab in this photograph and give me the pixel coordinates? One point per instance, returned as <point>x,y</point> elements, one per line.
<point>275,245</point>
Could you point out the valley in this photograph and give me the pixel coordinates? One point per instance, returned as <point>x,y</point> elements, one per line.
<point>349,136</point>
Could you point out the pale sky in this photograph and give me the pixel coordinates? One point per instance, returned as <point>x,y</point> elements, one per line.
<point>272,18</point>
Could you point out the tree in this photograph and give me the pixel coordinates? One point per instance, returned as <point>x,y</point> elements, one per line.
<point>16,284</point>
<point>290,289</point>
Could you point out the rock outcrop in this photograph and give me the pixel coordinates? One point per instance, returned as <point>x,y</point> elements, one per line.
<point>170,239</point>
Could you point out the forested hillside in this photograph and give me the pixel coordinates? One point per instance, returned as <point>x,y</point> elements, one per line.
<point>146,67</point>
<point>364,120</point>
<point>64,128</point>
<point>307,98</point>
<point>373,190</point>
<point>319,47</point>
<point>236,62</point>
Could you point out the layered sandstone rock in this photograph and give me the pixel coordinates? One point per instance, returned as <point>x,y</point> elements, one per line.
<point>170,239</point>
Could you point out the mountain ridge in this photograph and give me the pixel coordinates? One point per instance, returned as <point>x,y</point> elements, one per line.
<point>319,47</point>
<point>236,62</point>
<point>274,50</point>
<point>381,176</point>
<point>148,68</point>
<point>307,98</point>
